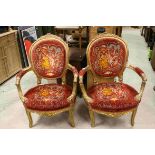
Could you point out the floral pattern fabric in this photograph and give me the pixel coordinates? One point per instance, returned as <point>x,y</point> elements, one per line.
<point>49,58</point>
<point>113,97</point>
<point>107,56</point>
<point>48,97</point>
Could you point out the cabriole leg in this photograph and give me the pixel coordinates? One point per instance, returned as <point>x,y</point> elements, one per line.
<point>30,118</point>
<point>133,117</point>
<point>71,117</point>
<point>92,118</point>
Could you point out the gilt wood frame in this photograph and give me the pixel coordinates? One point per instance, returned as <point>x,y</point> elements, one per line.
<point>71,99</point>
<point>98,79</point>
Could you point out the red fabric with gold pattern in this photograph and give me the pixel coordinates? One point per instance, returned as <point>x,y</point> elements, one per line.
<point>48,58</point>
<point>48,97</point>
<point>107,56</point>
<point>112,97</point>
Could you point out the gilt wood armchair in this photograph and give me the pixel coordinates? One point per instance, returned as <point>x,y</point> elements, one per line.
<point>49,60</point>
<point>107,57</point>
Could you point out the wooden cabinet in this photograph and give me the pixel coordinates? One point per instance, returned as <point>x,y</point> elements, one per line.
<point>3,73</point>
<point>9,55</point>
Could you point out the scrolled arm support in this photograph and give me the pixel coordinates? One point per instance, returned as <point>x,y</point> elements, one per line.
<point>75,73</point>
<point>81,75</point>
<point>18,79</point>
<point>144,79</point>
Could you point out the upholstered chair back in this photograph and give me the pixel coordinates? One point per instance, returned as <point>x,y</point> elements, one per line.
<point>48,57</point>
<point>107,55</point>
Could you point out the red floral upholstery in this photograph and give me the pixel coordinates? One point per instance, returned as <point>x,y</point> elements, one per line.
<point>48,58</point>
<point>48,97</point>
<point>107,56</point>
<point>112,97</point>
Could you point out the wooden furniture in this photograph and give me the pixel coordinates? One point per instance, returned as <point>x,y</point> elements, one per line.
<point>153,58</point>
<point>92,34</point>
<point>109,29</point>
<point>107,57</point>
<point>147,33</point>
<point>152,38</point>
<point>79,63</point>
<point>143,30</point>
<point>49,59</point>
<point>10,62</point>
<point>65,28</point>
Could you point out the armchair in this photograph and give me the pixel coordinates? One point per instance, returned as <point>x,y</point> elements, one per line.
<point>107,57</point>
<point>49,60</point>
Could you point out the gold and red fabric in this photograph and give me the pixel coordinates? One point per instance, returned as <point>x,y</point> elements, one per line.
<point>49,60</point>
<point>107,56</point>
<point>113,97</point>
<point>48,97</point>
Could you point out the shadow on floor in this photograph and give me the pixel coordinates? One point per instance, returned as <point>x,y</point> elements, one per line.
<point>82,112</point>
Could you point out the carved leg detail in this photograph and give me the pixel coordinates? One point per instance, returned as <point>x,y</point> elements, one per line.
<point>133,117</point>
<point>92,118</point>
<point>30,118</point>
<point>71,117</point>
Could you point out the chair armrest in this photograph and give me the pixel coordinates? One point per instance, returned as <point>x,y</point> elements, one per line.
<point>138,71</point>
<point>144,79</point>
<point>18,79</point>
<point>85,95</point>
<point>75,73</point>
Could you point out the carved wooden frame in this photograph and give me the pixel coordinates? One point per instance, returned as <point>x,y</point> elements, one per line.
<point>71,99</point>
<point>98,79</point>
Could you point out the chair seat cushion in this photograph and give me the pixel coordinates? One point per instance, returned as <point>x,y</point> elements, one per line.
<point>112,97</point>
<point>48,97</point>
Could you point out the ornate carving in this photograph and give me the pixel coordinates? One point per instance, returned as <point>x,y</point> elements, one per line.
<point>107,56</point>
<point>51,62</point>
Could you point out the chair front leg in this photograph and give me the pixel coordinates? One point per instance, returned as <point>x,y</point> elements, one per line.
<point>71,117</point>
<point>29,118</point>
<point>92,118</point>
<point>133,116</point>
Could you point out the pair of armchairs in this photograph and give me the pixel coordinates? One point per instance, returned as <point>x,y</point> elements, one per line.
<point>107,57</point>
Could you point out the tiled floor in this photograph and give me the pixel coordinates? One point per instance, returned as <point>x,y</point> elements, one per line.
<point>12,114</point>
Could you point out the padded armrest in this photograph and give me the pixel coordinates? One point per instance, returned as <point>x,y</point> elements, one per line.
<point>75,73</point>
<point>21,73</point>
<point>74,70</point>
<point>82,73</point>
<point>85,95</point>
<point>144,79</point>
<point>139,72</point>
<point>18,78</point>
